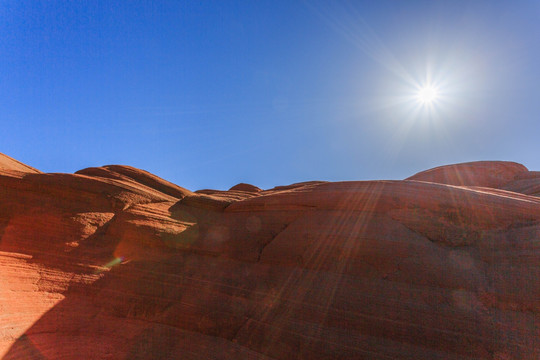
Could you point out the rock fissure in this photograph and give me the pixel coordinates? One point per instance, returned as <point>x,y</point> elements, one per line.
<point>274,236</point>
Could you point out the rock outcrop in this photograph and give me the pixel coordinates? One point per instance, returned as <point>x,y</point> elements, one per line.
<point>117,263</point>
<point>11,165</point>
<point>479,173</point>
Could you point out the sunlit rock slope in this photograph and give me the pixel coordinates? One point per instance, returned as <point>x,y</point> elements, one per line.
<point>116,263</point>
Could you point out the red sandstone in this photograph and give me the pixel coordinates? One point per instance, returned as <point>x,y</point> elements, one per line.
<point>116,263</point>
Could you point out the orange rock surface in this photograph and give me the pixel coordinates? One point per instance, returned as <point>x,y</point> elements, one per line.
<point>116,263</point>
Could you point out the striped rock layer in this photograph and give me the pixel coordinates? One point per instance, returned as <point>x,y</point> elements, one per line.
<point>117,263</point>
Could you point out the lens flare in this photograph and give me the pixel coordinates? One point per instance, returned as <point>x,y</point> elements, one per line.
<point>110,265</point>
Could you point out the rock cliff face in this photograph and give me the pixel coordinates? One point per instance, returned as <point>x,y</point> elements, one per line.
<point>116,263</point>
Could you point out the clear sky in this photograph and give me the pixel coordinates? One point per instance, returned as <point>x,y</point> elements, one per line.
<point>208,94</point>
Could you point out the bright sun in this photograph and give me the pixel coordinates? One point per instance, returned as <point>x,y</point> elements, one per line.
<point>427,95</point>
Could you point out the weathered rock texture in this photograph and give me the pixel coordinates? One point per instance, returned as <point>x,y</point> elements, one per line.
<point>116,263</point>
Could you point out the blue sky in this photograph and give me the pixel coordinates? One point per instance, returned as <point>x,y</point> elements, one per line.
<point>208,94</point>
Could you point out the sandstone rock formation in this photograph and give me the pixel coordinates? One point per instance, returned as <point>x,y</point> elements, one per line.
<point>116,263</point>
<point>492,174</point>
<point>8,164</point>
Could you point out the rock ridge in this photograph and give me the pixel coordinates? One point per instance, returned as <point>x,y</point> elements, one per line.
<point>114,262</point>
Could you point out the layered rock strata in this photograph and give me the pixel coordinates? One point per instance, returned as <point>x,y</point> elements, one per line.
<point>117,263</point>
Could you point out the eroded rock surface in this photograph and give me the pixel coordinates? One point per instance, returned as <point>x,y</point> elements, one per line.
<point>8,164</point>
<point>116,263</point>
<point>479,173</point>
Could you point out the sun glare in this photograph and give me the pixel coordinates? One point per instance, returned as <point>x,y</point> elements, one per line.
<point>427,95</point>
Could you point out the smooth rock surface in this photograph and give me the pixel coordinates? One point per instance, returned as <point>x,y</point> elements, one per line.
<point>116,263</point>
<point>479,173</point>
<point>9,164</point>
